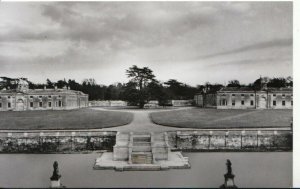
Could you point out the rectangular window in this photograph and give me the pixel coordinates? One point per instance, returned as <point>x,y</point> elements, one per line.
<point>40,104</point>
<point>224,102</point>
<point>0,105</point>
<point>49,96</point>
<point>40,96</point>
<point>274,103</point>
<point>251,95</point>
<point>8,97</point>
<point>242,102</point>
<point>233,94</point>
<point>9,105</point>
<point>274,94</point>
<point>31,96</point>
<point>59,103</point>
<point>233,103</point>
<point>242,95</point>
<point>31,104</point>
<point>283,95</point>
<point>283,103</point>
<point>291,103</point>
<point>251,102</point>
<point>49,104</point>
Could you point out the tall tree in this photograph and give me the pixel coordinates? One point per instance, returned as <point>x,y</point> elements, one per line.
<point>233,83</point>
<point>174,89</point>
<point>49,83</point>
<point>141,77</point>
<point>130,94</point>
<point>157,92</point>
<point>277,82</point>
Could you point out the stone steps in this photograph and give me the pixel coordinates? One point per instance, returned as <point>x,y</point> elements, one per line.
<point>141,148</point>
<point>141,144</point>
<point>141,157</point>
<point>141,138</point>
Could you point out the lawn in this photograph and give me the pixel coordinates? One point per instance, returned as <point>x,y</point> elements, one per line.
<point>213,118</point>
<point>63,119</point>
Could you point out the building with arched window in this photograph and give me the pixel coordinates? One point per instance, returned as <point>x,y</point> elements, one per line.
<point>247,98</point>
<point>22,98</point>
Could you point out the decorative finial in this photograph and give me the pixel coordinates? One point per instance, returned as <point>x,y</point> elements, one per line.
<point>229,169</point>
<point>229,177</point>
<point>55,175</point>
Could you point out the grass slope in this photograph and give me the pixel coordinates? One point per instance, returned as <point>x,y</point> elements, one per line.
<point>213,118</point>
<point>64,119</point>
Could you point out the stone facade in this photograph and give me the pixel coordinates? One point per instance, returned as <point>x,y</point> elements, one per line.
<point>247,98</point>
<point>178,103</point>
<point>22,98</point>
<point>206,100</point>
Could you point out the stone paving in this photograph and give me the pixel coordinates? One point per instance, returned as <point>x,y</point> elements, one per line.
<point>176,161</point>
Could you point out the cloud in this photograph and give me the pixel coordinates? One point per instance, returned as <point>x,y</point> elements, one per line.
<point>142,24</point>
<point>257,46</point>
<point>77,38</point>
<point>252,62</point>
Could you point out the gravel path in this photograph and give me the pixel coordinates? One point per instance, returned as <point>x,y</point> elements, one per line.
<point>141,121</point>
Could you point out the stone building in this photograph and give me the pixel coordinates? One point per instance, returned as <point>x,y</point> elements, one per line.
<point>206,100</point>
<point>22,98</point>
<point>247,98</point>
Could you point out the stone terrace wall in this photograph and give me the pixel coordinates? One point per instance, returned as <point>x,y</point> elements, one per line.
<point>107,103</point>
<point>56,142</point>
<point>78,142</point>
<point>231,141</point>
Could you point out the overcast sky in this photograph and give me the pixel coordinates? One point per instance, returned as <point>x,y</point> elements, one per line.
<point>193,42</point>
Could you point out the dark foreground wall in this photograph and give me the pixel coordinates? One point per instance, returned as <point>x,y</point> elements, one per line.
<point>53,142</point>
<point>80,142</point>
<point>231,141</point>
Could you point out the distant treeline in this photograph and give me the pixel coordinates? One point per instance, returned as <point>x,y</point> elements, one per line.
<point>172,89</point>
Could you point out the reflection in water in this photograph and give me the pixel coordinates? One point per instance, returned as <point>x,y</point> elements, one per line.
<point>207,170</point>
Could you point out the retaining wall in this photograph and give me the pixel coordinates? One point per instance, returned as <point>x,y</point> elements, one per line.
<point>107,103</point>
<point>75,142</point>
<point>56,142</point>
<point>249,140</point>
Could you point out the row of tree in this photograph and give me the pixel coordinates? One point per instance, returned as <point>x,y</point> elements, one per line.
<point>143,86</point>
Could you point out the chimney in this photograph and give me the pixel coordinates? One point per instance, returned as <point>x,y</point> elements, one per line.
<point>45,87</point>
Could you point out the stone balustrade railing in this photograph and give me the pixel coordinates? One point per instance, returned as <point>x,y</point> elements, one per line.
<point>217,140</point>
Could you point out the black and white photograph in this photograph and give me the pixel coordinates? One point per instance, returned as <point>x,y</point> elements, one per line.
<point>146,94</point>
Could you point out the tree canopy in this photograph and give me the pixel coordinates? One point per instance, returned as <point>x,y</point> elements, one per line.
<point>140,79</point>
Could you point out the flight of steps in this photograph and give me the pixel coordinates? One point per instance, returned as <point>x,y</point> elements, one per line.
<point>141,149</point>
<point>140,152</point>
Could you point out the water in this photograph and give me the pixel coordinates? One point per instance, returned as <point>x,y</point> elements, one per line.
<point>251,169</point>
